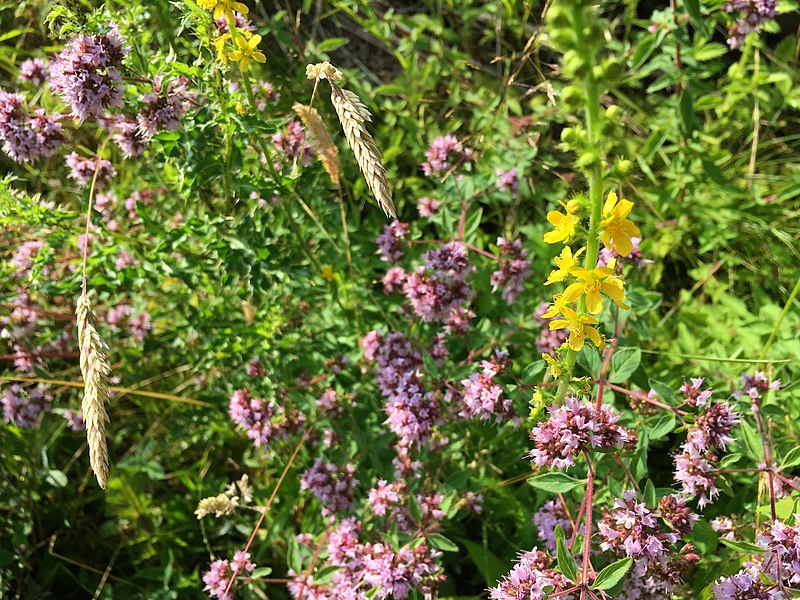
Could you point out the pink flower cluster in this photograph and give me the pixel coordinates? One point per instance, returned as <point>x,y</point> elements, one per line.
<point>34,70</point>
<point>547,518</point>
<point>427,207</point>
<point>692,395</point>
<point>82,170</point>
<point>25,255</point>
<point>752,14</point>
<point>439,286</point>
<point>705,440</point>
<point>634,257</point>
<point>781,543</point>
<point>445,152</point>
<point>370,570</point>
<point>632,529</point>
<point>389,242</point>
<point>26,136</point>
<point>755,386</point>
<point>120,316</point>
<point>255,415</point>
<point>529,579</point>
<point>333,486</point>
<point>22,406</point>
<point>219,574</point>
<point>508,181</point>
<point>482,397</point>
<point>86,73</point>
<point>514,269</point>
<point>574,427</point>
<point>292,144</point>
<point>163,106</point>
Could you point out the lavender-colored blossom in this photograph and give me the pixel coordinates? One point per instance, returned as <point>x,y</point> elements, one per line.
<point>676,514</point>
<point>390,247</point>
<point>427,207</point>
<point>265,92</point>
<point>255,368</point>
<point>513,269</point>
<point>82,170</point>
<point>634,257</point>
<point>292,144</point>
<point>782,543</point>
<point>22,406</point>
<point>756,385</point>
<point>724,526</point>
<point>482,397</point>
<point>631,529</point>
<point>396,574</point>
<point>752,14</point>
<point>694,472</point>
<point>86,73</point>
<point>329,404</point>
<point>333,486</point>
<point>412,412</point>
<point>128,136</point>
<point>254,414</point>
<point>25,255</point>
<point>26,136</point>
<point>393,280</point>
<point>163,106</point>
<point>716,424</point>
<point>508,181</point>
<point>440,286</point>
<point>22,319</point>
<point>438,348</point>
<point>528,579</point>
<point>547,518</point>
<point>743,586</point>
<point>574,427</point>
<point>385,496</point>
<point>219,574</point>
<point>692,394</point>
<point>34,70</point>
<point>140,325</point>
<point>444,153</point>
<point>74,420</point>
<point>125,259</point>
<point>458,321</point>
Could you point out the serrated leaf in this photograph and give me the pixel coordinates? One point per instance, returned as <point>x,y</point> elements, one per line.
<point>555,482</point>
<point>612,574</point>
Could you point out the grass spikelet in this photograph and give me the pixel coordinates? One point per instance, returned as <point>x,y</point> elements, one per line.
<point>353,115</point>
<point>320,140</point>
<point>95,370</point>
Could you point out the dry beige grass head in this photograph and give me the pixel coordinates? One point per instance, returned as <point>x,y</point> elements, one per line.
<point>353,115</point>
<point>320,140</point>
<point>95,370</point>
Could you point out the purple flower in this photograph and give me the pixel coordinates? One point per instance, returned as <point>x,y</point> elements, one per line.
<point>716,424</point>
<point>393,280</point>
<point>255,368</point>
<point>482,397</point>
<point>219,574</point>
<point>427,207</point>
<point>752,14</point>
<point>333,486</point>
<point>329,404</point>
<point>384,496</point>
<point>140,325</point>
<point>444,153</point>
<point>676,514</point>
<point>439,287</point>
<point>25,255</point>
<point>395,574</point>
<point>574,427</point>
<point>265,92</point>
<point>692,394</point>
<point>694,472</point>
<point>22,406</point>
<point>390,248</point>
<point>125,259</point>
<point>74,420</point>
<point>528,579</point>
<point>33,70</point>
<point>743,586</point>
<point>86,73</point>
<point>82,170</point>
<point>782,543</point>
<point>412,412</point>
<point>27,137</point>
<point>292,144</point>
<point>508,181</point>
<point>631,529</point>
<point>254,414</point>
<point>756,385</point>
<point>458,320</point>
<point>547,518</point>
<point>513,271</point>
<point>163,107</point>
<point>128,136</point>
<point>634,257</point>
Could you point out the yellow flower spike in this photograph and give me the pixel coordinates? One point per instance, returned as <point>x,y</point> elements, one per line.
<point>555,368</point>
<point>617,228</point>
<point>579,328</point>
<point>223,7</point>
<point>219,46</point>
<point>247,50</point>
<point>564,224</point>
<point>593,284</point>
<point>565,261</point>
<point>559,302</point>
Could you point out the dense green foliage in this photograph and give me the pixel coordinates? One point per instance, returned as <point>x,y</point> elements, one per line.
<point>236,250</point>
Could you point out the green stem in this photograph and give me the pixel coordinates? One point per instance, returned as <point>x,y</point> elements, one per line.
<point>778,324</point>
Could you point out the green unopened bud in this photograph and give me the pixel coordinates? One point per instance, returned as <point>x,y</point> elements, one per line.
<point>623,166</point>
<point>572,95</point>
<point>613,70</point>
<point>612,112</point>
<point>588,159</point>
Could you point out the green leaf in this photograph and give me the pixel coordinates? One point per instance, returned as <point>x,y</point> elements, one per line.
<point>650,498</point>
<point>753,441</point>
<point>743,547</point>
<point>663,390</point>
<point>686,113</point>
<point>662,427</point>
<point>710,51</point>
<point>56,478</point>
<point>555,482</point>
<point>589,359</point>
<point>624,362</point>
<point>442,543</point>
<point>331,44</point>
<point>792,458</point>
<point>612,574</point>
<point>566,562</point>
<point>488,564</point>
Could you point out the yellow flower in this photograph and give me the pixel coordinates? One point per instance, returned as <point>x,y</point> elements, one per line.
<point>219,46</point>
<point>565,261</point>
<point>248,49</point>
<point>327,272</point>
<point>593,284</point>
<point>617,228</point>
<point>564,224</point>
<point>223,7</point>
<point>579,328</point>
<point>555,368</point>
<point>559,302</point>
